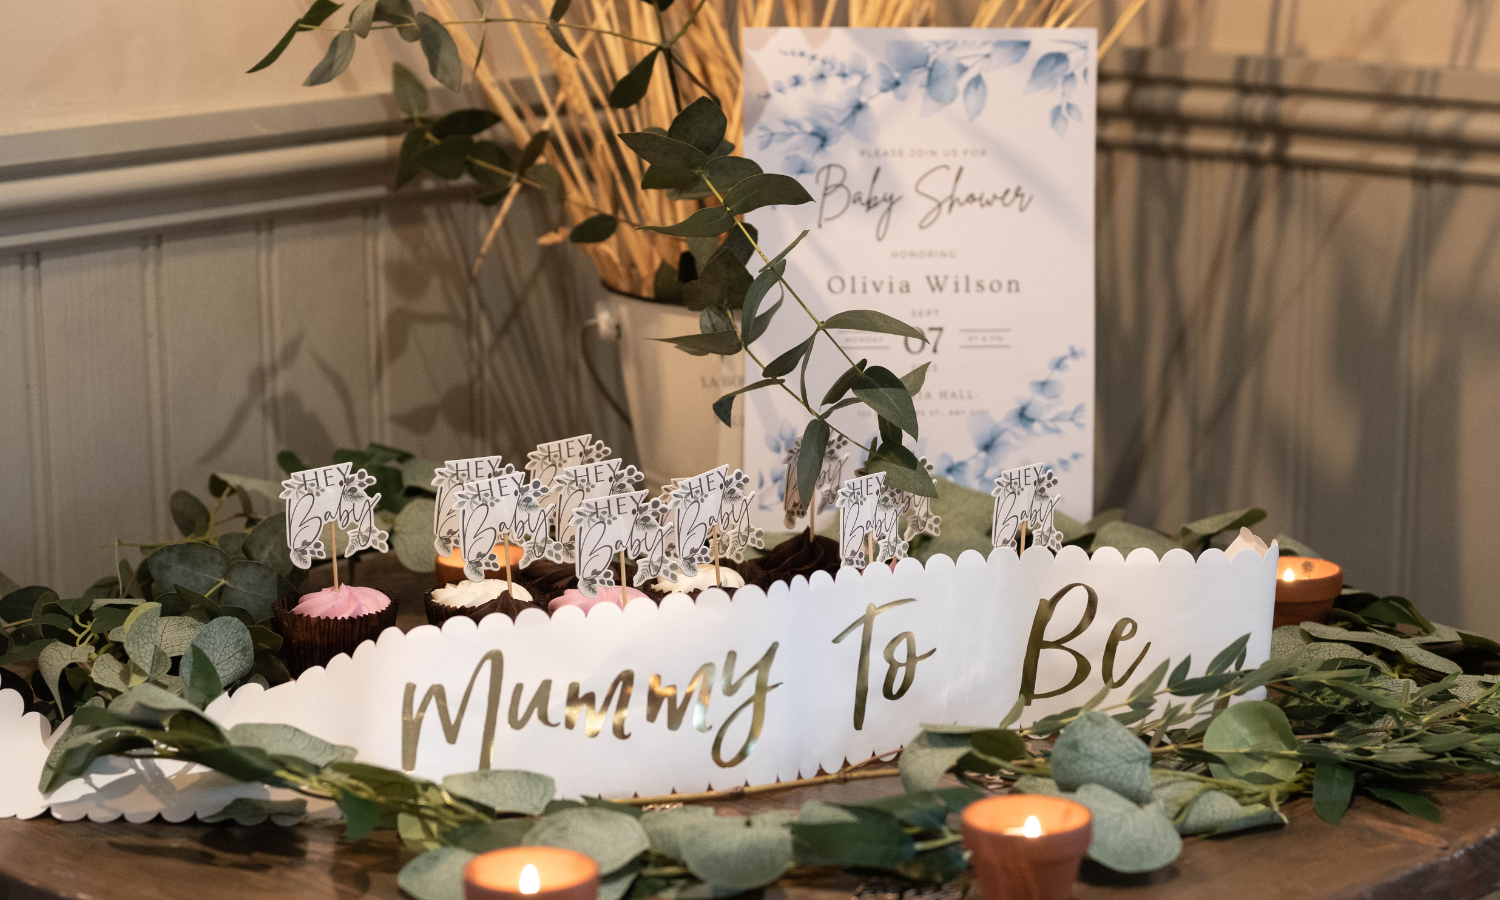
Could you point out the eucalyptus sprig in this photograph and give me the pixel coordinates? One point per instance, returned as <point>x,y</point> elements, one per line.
<point>693,152</point>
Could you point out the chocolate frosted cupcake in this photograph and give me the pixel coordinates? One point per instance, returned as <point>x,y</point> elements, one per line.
<point>547,580</point>
<point>792,557</point>
<point>325,623</point>
<point>477,599</point>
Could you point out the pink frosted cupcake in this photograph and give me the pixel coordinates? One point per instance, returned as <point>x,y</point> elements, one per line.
<point>607,594</point>
<point>319,626</point>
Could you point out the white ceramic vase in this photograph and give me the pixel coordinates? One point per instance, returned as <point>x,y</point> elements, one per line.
<point>671,393</point>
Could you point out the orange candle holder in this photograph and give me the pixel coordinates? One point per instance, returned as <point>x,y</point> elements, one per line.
<point>1305,589</point>
<point>450,568</point>
<point>531,873</point>
<point>1027,846</point>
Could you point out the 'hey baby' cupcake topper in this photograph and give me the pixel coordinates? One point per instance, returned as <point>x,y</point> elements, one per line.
<point>454,474</point>
<point>920,518</point>
<point>497,512</point>
<point>589,482</point>
<point>604,527</point>
<point>334,496</point>
<point>548,460</point>
<point>735,531</point>
<point>1024,502</point>
<point>696,503</point>
<point>869,516</point>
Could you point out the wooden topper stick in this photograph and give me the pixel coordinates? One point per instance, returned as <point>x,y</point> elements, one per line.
<point>333,552</point>
<point>718,572</point>
<point>869,548</point>
<point>622,577</point>
<point>1022,530</point>
<point>509,588</point>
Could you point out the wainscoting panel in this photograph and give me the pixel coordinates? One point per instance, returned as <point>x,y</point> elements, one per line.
<point>1298,308</point>
<point>274,298</point>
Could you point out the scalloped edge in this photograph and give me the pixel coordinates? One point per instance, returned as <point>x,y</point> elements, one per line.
<point>142,790</point>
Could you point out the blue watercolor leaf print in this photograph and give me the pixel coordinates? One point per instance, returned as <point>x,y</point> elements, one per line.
<point>975,93</point>
<point>1074,112</point>
<point>1059,121</point>
<point>942,84</point>
<point>905,56</point>
<point>1005,53</point>
<point>1047,74</point>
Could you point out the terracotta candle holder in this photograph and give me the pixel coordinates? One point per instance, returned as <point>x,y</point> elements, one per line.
<point>1027,846</point>
<point>1305,589</point>
<point>450,568</point>
<point>531,873</point>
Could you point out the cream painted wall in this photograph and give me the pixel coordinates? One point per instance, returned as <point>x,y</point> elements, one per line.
<point>112,61</point>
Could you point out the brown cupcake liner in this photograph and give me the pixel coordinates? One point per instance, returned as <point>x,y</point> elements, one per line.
<point>755,571</point>
<point>309,641</point>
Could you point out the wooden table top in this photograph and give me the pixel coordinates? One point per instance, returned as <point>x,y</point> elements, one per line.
<point>1379,853</point>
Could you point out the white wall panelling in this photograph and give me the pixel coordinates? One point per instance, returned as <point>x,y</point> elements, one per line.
<point>196,307</point>
<point>1297,309</point>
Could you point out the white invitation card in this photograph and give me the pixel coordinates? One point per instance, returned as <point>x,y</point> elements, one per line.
<point>952,173</point>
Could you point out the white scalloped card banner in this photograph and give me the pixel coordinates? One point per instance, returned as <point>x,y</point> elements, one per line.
<point>688,696</point>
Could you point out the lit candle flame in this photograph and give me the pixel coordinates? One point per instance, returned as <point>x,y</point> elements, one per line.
<point>1288,575</point>
<point>1033,827</point>
<point>531,880</point>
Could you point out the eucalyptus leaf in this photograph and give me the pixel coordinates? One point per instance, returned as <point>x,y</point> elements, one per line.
<point>142,633</point>
<point>411,93</point>
<point>504,790</point>
<point>727,172</point>
<point>593,229</point>
<point>724,343</point>
<point>735,853</point>
<point>58,656</point>
<point>1251,725</point>
<point>629,90</point>
<point>412,535</point>
<point>251,586</point>
<point>199,683</point>
<point>611,838</point>
<point>665,827</point>
<point>880,389</point>
<point>199,567</point>
<point>226,643</point>
<point>928,758</point>
<point>334,62</point>
<point>1125,537</point>
<point>766,189</point>
<point>1095,749</point>
<point>724,406</point>
<point>315,16</point>
<point>285,740</point>
<point>700,124</point>
<point>189,514</point>
<point>875,839</point>
<point>872,321</point>
<point>436,875</point>
<point>703,223</point>
<point>1333,788</point>
<point>255,810</point>
<point>1126,837</point>
<point>441,52</point>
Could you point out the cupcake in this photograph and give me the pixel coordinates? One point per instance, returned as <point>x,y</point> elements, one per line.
<point>792,557</point>
<point>723,576</point>
<point>477,599</point>
<point>321,625</point>
<point>607,594</point>
<point>548,580</point>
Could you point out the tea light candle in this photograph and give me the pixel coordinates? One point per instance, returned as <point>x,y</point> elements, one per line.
<point>450,568</point>
<point>533,873</point>
<point>1027,846</point>
<point>1305,589</point>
